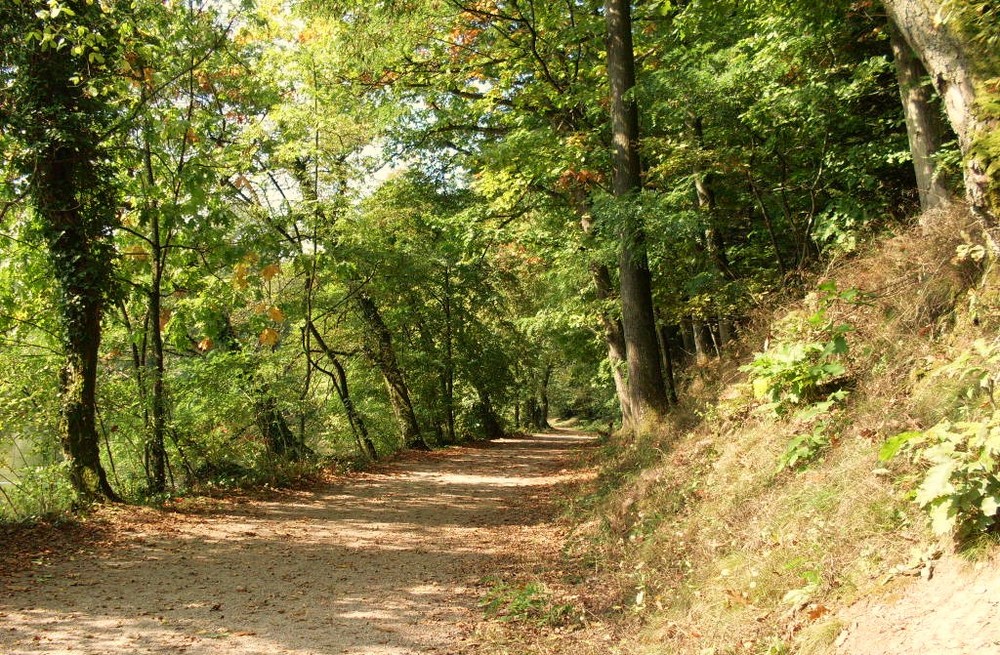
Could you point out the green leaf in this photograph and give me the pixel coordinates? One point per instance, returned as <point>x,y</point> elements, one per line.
<point>943,518</point>
<point>937,483</point>
<point>893,445</point>
<point>990,505</point>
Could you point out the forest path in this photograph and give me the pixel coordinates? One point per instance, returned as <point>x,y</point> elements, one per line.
<point>381,563</point>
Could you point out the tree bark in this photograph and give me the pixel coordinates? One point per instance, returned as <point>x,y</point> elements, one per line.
<point>925,128</point>
<point>946,57</point>
<point>379,348</point>
<point>668,363</point>
<point>75,200</point>
<point>155,450</point>
<point>339,380</point>
<point>448,374</point>
<point>274,428</point>
<point>714,243</point>
<point>492,425</point>
<point>647,393</point>
<point>614,336</point>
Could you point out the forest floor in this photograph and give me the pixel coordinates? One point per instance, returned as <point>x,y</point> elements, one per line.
<point>389,562</point>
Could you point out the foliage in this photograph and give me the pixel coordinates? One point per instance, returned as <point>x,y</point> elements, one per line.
<point>805,447</point>
<point>960,487</point>
<point>39,492</point>
<point>807,356</point>
<point>959,460</point>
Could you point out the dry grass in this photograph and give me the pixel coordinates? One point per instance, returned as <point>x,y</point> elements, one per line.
<point>704,546</point>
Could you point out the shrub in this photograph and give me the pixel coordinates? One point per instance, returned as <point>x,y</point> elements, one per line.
<point>960,487</point>
<point>806,356</point>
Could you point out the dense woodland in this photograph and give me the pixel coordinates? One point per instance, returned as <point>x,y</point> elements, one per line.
<point>241,239</point>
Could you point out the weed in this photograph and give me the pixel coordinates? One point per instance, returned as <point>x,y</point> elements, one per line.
<point>526,603</point>
<point>804,448</point>
<point>795,369</point>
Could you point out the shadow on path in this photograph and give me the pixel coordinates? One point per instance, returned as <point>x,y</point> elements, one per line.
<point>381,563</point>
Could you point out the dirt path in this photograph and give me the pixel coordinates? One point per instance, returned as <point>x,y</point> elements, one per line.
<point>385,563</point>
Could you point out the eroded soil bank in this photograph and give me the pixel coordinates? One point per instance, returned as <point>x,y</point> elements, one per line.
<point>382,563</point>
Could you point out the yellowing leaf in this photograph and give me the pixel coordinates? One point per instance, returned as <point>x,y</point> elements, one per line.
<point>268,338</point>
<point>270,271</point>
<point>260,308</point>
<point>240,276</point>
<point>276,315</point>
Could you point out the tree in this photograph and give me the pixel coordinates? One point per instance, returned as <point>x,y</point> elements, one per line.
<point>958,73</point>
<point>925,127</point>
<point>59,97</point>
<point>647,393</point>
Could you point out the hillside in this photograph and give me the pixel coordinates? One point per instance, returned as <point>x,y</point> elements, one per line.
<point>739,529</point>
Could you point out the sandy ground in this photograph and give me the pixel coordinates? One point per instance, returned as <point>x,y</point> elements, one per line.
<point>955,612</point>
<point>384,563</point>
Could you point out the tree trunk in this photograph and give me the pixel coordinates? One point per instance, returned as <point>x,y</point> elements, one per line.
<point>925,127</point>
<point>714,243</point>
<point>274,428</point>
<point>492,425</point>
<point>668,363</point>
<point>647,394</point>
<point>686,328</point>
<point>727,331</point>
<point>946,57</point>
<point>448,374</point>
<point>379,348</point>
<point>537,406</point>
<point>702,341</point>
<point>339,380</point>
<point>72,193</point>
<point>614,336</point>
<point>155,450</point>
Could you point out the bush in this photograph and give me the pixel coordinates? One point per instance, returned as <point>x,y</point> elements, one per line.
<point>806,356</point>
<point>39,492</point>
<point>960,487</point>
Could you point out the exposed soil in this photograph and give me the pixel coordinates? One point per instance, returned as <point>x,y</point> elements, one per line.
<point>384,563</point>
<point>956,611</point>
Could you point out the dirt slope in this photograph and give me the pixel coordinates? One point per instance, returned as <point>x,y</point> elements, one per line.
<point>955,612</point>
<point>385,563</point>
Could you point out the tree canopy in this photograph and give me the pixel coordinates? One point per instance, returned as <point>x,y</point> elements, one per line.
<point>240,237</point>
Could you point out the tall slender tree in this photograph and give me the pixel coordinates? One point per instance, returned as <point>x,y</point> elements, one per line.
<point>648,396</point>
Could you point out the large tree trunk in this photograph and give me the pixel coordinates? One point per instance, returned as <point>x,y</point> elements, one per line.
<point>925,126</point>
<point>72,193</point>
<point>379,348</point>
<point>647,394</point>
<point>946,57</point>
